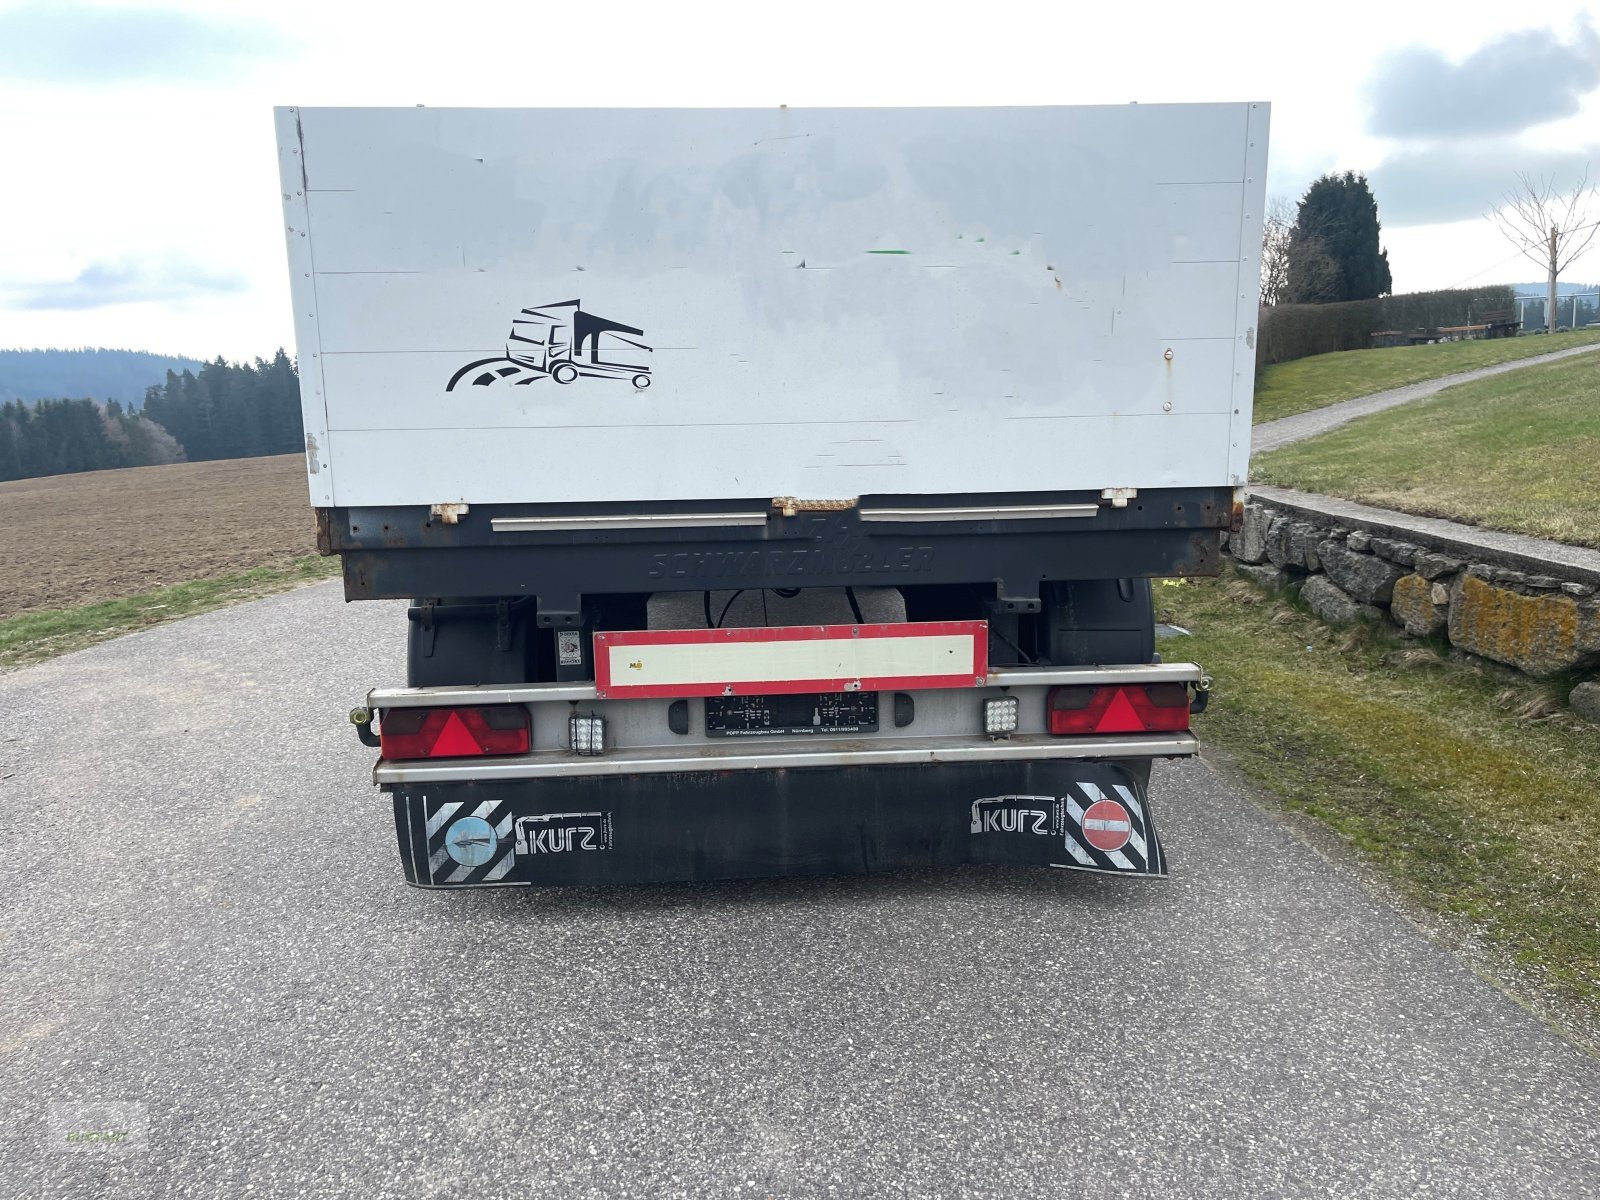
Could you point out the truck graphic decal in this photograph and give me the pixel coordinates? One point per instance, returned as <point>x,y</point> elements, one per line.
<point>564,343</point>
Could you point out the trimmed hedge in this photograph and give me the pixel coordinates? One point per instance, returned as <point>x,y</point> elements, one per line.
<point>1289,331</point>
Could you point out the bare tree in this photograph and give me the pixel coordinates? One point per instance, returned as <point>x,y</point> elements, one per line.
<point>1550,227</point>
<point>1314,269</point>
<point>1275,226</point>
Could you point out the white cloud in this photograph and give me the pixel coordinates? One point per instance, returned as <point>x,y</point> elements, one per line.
<point>1513,82</point>
<point>63,43</point>
<point>1440,184</point>
<point>127,281</point>
<point>149,166</point>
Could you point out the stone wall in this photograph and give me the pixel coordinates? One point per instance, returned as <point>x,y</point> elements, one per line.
<point>1540,616</point>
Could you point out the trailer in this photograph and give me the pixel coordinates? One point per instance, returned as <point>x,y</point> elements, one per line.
<point>830,548</point>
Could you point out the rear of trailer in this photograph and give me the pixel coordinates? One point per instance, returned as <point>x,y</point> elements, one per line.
<point>775,491</point>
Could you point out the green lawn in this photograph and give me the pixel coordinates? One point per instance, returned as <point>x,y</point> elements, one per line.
<point>32,636</point>
<point>1307,383</point>
<point>1461,786</point>
<point>1519,451</point>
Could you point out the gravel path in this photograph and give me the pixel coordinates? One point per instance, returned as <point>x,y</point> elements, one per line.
<point>202,917</point>
<point>1269,435</point>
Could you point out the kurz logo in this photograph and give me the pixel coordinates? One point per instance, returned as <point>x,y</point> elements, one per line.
<point>564,343</point>
<point>1006,814</point>
<point>564,833</point>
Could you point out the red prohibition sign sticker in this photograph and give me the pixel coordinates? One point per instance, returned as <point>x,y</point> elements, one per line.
<point>1106,826</point>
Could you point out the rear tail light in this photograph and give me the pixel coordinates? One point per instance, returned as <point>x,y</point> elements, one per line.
<point>454,732</point>
<point>1123,708</point>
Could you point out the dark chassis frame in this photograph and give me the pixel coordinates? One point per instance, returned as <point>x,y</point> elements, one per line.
<point>403,552</point>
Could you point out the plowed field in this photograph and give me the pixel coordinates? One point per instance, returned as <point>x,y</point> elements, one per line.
<point>76,539</point>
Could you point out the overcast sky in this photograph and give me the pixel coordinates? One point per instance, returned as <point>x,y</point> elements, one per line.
<point>140,206</point>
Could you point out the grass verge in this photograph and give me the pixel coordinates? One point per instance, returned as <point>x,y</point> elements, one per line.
<point>1479,797</point>
<point>29,637</point>
<point>1518,452</point>
<point>1323,379</point>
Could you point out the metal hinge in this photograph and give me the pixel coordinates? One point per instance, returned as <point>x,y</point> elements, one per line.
<point>1119,497</point>
<point>449,514</point>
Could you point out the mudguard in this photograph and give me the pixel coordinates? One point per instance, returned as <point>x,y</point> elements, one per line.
<point>1074,814</point>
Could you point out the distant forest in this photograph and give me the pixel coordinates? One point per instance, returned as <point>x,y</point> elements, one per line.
<point>59,437</point>
<point>93,373</point>
<point>223,410</point>
<point>231,410</point>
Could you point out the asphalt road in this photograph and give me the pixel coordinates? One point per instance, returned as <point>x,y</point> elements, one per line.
<point>202,917</point>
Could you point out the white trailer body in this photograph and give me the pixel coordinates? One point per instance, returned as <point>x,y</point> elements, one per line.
<point>570,306</point>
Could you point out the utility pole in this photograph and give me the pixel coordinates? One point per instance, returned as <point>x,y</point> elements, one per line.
<point>1550,305</point>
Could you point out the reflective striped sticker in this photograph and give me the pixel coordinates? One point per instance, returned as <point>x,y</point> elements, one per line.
<point>1110,833</point>
<point>466,847</point>
<point>1100,828</point>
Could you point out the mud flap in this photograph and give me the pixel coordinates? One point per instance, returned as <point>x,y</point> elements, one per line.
<point>1085,816</point>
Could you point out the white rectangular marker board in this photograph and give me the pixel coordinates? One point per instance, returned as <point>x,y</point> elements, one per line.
<point>536,305</point>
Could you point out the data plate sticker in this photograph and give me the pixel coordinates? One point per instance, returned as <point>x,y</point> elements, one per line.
<point>569,647</point>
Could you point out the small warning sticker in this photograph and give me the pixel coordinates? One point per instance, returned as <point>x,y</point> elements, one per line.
<point>569,647</point>
<point>1106,825</point>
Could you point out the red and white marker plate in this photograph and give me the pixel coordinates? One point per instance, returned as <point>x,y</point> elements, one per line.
<point>905,656</point>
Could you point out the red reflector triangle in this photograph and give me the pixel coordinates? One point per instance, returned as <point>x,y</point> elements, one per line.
<point>454,740</point>
<point>1119,716</point>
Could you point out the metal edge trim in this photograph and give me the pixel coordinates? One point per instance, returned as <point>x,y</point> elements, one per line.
<point>626,521</point>
<point>696,760</point>
<point>1021,512</point>
<point>1178,672</point>
<point>479,693</point>
<point>538,693</point>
